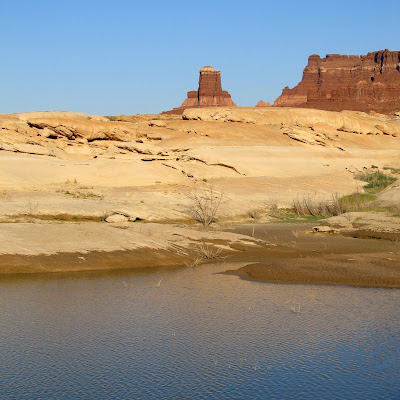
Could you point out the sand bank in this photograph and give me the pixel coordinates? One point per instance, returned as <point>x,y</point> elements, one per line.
<point>302,257</point>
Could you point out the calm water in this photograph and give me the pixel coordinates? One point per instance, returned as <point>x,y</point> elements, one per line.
<point>198,336</point>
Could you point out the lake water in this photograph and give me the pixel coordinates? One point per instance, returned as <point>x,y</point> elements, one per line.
<point>200,335</point>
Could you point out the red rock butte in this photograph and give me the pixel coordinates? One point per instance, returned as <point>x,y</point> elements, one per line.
<point>209,94</point>
<point>339,82</point>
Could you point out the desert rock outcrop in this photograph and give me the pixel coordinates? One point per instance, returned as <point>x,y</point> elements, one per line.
<point>340,82</point>
<point>76,165</point>
<point>209,94</point>
<point>263,104</point>
<point>317,121</point>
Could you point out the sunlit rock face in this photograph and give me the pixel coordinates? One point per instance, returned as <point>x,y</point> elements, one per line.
<point>340,82</point>
<point>209,93</point>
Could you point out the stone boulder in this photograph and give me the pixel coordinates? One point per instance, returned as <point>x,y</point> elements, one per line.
<point>117,218</point>
<point>366,222</point>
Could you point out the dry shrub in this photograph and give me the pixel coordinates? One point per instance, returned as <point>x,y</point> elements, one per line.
<point>310,205</point>
<point>208,252</point>
<point>272,205</point>
<point>204,251</point>
<point>205,202</point>
<point>30,210</point>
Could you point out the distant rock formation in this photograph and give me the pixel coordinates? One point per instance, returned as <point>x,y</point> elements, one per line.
<point>339,82</point>
<point>263,104</point>
<point>209,94</point>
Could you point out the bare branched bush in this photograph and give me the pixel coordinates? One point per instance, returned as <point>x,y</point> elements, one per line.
<point>272,205</point>
<point>310,205</point>
<point>298,207</point>
<point>204,251</point>
<point>30,210</point>
<point>336,205</point>
<point>208,252</point>
<point>205,202</point>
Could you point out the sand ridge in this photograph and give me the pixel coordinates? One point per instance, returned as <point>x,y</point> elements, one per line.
<point>63,174</point>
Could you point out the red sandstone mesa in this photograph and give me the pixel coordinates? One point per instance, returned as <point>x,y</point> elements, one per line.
<point>340,82</point>
<point>209,94</point>
<point>262,103</point>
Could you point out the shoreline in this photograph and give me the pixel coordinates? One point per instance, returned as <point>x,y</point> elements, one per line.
<point>347,275</point>
<point>325,259</point>
<point>276,254</point>
<point>20,264</point>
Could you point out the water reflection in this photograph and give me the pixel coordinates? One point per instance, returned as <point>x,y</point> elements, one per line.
<point>198,335</point>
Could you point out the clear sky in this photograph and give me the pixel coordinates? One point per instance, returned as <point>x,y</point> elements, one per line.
<point>129,57</point>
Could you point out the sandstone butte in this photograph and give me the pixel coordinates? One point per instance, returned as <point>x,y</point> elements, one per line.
<point>340,82</point>
<point>263,104</point>
<point>209,94</point>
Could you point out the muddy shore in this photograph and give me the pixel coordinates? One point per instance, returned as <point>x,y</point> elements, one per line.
<point>275,252</point>
<point>303,257</point>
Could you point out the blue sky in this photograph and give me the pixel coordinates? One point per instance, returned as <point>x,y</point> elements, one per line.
<point>128,57</point>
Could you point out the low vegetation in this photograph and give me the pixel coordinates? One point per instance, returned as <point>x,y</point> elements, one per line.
<point>205,201</point>
<point>30,211</point>
<point>309,207</point>
<point>204,251</point>
<point>392,170</point>
<point>356,201</point>
<point>377,180</point>
<point>81,195</point>
<point>76,191</point>
<point>272,206</point>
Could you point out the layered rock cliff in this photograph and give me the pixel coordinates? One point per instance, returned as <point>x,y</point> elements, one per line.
<point>339,82</point>
<point>209,93</point>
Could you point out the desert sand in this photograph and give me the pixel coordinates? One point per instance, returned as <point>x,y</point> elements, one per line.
<point>63,174</point>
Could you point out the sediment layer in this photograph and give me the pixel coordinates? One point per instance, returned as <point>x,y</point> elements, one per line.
<point>340,82</point>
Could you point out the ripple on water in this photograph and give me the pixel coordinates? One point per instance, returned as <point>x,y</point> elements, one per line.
<point>199,335</point>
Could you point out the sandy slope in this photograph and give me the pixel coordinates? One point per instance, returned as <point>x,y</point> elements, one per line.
<point>149,165</point>
<point>58,167</point>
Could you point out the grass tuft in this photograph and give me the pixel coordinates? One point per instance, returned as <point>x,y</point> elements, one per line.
<point>377,181</point>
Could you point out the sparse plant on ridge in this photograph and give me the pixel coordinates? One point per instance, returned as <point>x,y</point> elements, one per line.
<point>205,202</point>
<point>31,210</point>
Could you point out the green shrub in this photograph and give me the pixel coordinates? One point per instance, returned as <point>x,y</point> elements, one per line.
<point>356,201</point>
<point>377,180</point>
<point>392,170</point>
